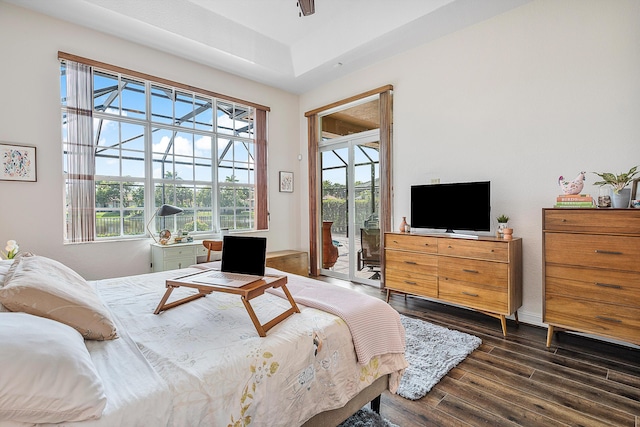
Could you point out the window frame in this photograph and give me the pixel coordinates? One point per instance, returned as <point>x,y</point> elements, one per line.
<point>256,137</point>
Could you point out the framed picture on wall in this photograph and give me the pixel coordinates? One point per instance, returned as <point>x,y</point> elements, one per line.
<point>17,162</point>
<point>286,182</point>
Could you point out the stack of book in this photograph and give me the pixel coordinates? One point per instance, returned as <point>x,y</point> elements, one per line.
<point>574,201</point>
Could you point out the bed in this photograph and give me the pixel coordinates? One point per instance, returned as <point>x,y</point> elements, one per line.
<point>203,363</point>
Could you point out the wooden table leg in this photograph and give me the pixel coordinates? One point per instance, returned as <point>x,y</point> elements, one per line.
<point>503,321</point>
<point>166,306</point>
<point>163,300</point>
<point>263,328</point>
<point>549,336</point>
<point>294,306</point>
<point>254,318</point>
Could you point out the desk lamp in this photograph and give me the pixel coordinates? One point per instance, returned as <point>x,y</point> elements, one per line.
<point>164,210</point>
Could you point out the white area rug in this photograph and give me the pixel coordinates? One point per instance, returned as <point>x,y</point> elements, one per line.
<point>432,351</point>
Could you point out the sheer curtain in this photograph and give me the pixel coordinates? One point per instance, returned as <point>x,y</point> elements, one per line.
<point>80,154</point>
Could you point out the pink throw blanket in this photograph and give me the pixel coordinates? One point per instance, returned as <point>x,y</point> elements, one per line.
<point>375,326</point>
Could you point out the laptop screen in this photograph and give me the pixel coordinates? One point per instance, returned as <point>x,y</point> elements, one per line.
<point>245,255</point>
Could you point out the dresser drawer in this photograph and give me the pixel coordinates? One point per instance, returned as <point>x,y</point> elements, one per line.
<point>625,221</point>
<point>473,295</point>
<point>474,271</point>
<point>593,317</point>
<point>177,263</point>
<point>495,251</point>
<point>411,242</point>
<point>179,252</point>
<point>616,287</point>
<point>610,252</point>
<point>412,283</point>
<point>201,250</point>
<point>411,262</point>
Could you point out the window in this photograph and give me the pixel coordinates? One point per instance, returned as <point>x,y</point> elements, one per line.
<point>132,144</point>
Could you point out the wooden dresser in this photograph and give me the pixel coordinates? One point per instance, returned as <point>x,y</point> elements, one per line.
<point>483,274</point>
<point>592,272</point>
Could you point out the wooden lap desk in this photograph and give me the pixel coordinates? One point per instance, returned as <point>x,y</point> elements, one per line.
<point>246,292</point>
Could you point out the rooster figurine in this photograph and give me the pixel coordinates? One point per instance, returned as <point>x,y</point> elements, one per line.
<point>572,187</point>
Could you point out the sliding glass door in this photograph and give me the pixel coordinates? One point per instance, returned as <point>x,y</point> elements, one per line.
<point>350,206</point>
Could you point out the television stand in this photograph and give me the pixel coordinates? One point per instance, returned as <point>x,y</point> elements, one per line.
<point>484,274</point>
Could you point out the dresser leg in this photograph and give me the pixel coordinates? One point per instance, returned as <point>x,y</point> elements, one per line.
<point>503,321</point>
<point>516,316</point>
<point>549,336</point>
<point>388,295</point>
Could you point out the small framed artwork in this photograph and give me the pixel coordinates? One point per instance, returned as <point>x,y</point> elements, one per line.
<point>17,162</point>
<point>286,182</point>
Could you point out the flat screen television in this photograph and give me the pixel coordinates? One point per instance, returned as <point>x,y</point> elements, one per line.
<point>462,206</point>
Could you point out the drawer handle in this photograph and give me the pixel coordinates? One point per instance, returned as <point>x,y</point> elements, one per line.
<point>470,271</point>
<point>449,246</point>
<point>564,220</point>
<point>608,285</point>
<point>395,241</point>
<point>410,283</point>
<point>609,319</point>
<point>410,262</point>
<point>600,251</point>
<point>469,294</point>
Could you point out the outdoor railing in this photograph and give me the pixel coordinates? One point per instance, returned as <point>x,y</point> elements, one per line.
<point>132,226</point>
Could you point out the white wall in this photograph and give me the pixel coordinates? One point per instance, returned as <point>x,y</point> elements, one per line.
<point>32,213</point>
<point>550,88</point>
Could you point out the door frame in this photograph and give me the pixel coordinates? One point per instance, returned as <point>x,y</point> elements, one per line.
<point>313,135</point>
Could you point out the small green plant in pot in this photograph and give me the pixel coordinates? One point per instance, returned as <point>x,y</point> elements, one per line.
<point>502,224</point>
<point>621,194</point>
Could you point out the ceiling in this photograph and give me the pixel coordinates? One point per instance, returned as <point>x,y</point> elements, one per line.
<point>267,41</point>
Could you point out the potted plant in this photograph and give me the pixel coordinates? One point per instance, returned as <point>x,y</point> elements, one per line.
<point>502,224</point>
<point>621,194</point>
<point>503,219</point>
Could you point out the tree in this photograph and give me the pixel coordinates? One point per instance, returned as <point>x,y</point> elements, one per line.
<point>107,194</point>
<point>174,193</point>
<point>231,196</point>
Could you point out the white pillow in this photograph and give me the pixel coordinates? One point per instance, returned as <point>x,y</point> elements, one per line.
<point>44,287</point>
<point>47,375</point>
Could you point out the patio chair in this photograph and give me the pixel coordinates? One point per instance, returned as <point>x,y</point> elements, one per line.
<point>369,255</point>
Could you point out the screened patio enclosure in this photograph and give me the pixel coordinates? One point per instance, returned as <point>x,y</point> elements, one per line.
<point>156,144</point>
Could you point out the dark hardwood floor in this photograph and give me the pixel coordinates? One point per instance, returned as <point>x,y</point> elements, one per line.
<point>518,381</point>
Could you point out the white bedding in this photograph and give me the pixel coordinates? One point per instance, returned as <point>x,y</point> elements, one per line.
<point>203,363</point>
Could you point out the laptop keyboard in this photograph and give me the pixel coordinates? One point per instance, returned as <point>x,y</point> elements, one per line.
<point>232,276</point>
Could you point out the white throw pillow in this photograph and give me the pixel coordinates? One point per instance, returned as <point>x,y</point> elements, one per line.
<point>44,287</point>
<point>47,375</point>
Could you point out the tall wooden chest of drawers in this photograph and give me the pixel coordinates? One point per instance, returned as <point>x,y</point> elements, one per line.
<point>592,272</point>
<point>483,274</point>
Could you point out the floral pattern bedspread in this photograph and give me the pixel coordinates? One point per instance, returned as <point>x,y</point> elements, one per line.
<point>221,373</point>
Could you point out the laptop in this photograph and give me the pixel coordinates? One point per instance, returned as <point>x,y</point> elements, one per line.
<point>243,262</point>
